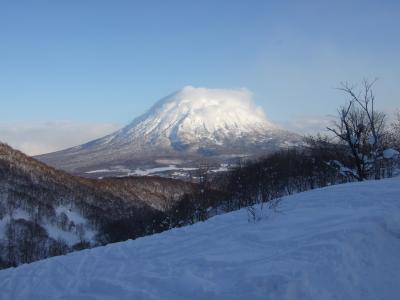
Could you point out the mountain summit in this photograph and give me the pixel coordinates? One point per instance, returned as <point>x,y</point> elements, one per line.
<point>188,125</point>
<point>194,117</point>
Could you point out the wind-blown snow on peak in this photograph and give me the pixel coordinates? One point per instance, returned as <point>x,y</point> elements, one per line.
<point>201,113</point>
<point>189,124</point>
<point>212,109</point>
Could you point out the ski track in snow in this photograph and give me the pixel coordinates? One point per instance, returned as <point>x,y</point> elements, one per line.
<point>340,242</point>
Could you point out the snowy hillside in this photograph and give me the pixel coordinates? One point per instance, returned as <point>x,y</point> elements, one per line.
<point>190,124</point>
<point>45,212</point>
<point>340,242</point>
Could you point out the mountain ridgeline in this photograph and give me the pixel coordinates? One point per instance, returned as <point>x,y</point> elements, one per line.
<point>190,126</point>
<point>46,212</point>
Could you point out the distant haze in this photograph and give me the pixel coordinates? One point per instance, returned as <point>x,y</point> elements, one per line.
<point>35,138</point>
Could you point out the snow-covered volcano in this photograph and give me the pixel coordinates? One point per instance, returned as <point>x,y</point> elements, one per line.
<point>193,115</point>
<point>191,124</point>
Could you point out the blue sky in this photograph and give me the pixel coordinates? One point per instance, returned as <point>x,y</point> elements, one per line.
<point>109,61</point>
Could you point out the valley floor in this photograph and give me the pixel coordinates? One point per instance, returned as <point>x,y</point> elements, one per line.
<point>340,242</point>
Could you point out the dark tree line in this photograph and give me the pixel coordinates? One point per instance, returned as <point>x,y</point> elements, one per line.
<point>283,173</point>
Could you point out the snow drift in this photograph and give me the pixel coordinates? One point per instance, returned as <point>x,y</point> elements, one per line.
<point>340,242</point>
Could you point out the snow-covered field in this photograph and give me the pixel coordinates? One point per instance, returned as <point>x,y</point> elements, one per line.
<point>341,242</point>
<point>170,170</point>
<point>151,171</point>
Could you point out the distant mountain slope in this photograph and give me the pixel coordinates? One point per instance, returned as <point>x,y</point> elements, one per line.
<point>340,242</point>
<point>53,212</point>
<point>189,125</point>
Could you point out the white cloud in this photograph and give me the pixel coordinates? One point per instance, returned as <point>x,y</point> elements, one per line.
<point>313,124</point>
<point>35,138</point>
<point>309,124</point>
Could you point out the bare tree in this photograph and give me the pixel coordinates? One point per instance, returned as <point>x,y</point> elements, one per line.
<point>362,128</point>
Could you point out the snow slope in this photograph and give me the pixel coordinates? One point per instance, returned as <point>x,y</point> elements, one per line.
<point>188,124</point>
<point>340,242</point>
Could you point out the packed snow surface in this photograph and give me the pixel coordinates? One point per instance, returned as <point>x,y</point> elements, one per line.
<point>340,242</point>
